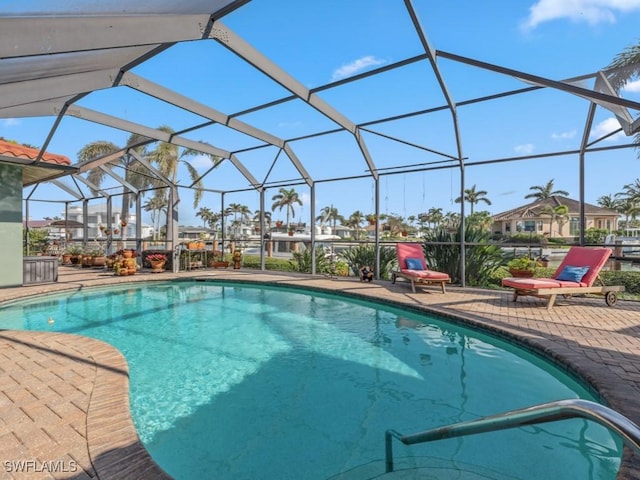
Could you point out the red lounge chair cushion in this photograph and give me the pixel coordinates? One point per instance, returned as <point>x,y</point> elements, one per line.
<point>424,274</point>
<point>594,258</point>
<point>535,283</point>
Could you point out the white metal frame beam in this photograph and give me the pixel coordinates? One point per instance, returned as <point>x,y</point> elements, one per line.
<point>245,51</point>
<point>96,32</point>
<point>155,134</point>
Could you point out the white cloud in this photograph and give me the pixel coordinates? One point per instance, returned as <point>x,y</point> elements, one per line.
<point>589,11</point>
<point>605,127</point>
<point>525,149</point>
<point>632,86</point>
<point>355,67</point>
<point>10,122</point>
<point>200,162</point>
<point>563,135</point>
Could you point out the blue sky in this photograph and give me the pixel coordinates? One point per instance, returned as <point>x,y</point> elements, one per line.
<point>319,42</point>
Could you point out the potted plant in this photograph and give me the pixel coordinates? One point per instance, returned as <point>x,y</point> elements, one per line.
<point>291,230</point>
<point>87,259</point>
<point>371,218</point>
<point>218,260</point>
<point>76,255</point>
<point>98,259</point>
<point>128,261</point>
<point>157,261</point>
<point>66,257</point>
<point>522,266</point>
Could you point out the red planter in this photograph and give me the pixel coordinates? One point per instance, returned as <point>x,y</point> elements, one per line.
<point>515,272</point>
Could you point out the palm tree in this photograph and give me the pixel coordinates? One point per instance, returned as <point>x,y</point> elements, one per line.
<point>168,157</point>
<point>474,197</point>
<point>435,216</point>
<point>627,65</point>
<point>559,214</point>
<point>632,190</point>
<point>355,221</point>
<point>286,198</point>
<point>205,214</point>
<point>395,224</point>
<point>629,208</point>
<point>154,205</point>
<point>135,173</point>
<point>608,202</point>
<point>545,191</point>
<point>331,215</point>
<point>482,220</point>
<point>266,215</point>
<point>451,220</point>
<point>235,209</point>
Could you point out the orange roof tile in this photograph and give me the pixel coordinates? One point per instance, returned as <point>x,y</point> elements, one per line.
<point>20,151</point>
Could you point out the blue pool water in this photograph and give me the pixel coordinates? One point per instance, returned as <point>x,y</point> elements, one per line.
<point>248,382</point>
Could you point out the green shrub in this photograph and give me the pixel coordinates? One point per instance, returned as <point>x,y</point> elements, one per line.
<point>523,238</point>
<point>270,263</point>
<point>630,280</point>
<point>37,240</point>
<point>301,261</point>
<point>361,255</point>
<point>442,252</point>
<point>595,236</point>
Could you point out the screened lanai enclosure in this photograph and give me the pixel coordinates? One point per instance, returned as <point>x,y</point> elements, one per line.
<point>166,108</point>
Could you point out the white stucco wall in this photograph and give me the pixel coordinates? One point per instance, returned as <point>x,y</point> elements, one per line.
<point>10,225</point>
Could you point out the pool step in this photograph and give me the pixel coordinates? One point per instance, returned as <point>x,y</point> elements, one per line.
<point>421,468</point>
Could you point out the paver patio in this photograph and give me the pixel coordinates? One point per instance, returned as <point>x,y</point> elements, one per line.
<point>64,398</point>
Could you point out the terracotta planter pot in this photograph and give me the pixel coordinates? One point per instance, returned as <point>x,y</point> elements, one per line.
<point>217,264</point>
<point>127,254</point>
<point>157,265</point>
<point>99,261</point>
<point>516,272</point>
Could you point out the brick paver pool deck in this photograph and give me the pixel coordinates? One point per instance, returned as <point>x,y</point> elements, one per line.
<point>64,409</point>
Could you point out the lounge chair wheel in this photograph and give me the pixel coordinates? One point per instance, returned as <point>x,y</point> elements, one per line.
<point>611,298</point>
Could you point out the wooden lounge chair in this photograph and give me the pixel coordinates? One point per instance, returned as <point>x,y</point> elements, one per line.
<point>577,274</point>
<point>413,267</point>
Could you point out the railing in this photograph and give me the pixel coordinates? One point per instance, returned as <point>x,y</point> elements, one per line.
<point>543,413</point>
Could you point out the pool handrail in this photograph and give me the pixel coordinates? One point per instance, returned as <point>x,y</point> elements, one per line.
<point>542,413</point>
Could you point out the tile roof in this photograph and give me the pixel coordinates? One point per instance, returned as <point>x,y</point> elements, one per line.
<point>533,210</point>
<point>20,151</point>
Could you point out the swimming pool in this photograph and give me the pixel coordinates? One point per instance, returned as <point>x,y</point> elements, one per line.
<point>240,381</point>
